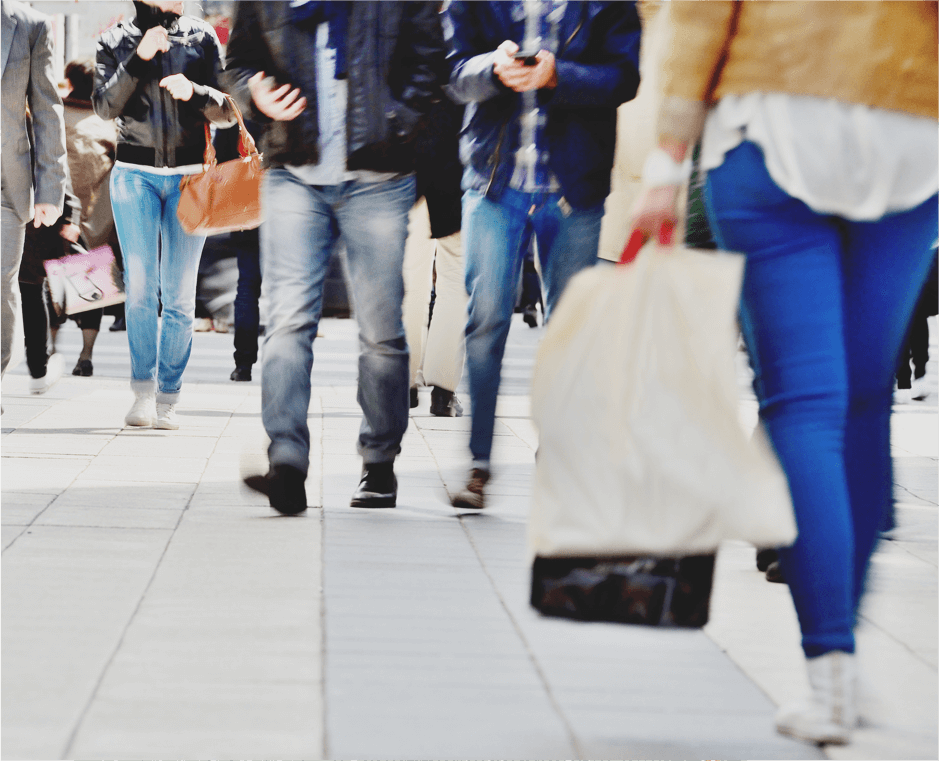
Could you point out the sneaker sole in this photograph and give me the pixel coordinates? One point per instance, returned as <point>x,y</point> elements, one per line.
<point>380,501</point>
<point>138,424</point>
<point>166,425</point>
<point>462,502</point>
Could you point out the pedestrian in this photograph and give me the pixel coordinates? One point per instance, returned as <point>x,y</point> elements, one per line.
<point>157,75</point>
<point>916,348</point>
<point>45,365</point>
<point>32,190</point>
<point>542,80</point>
<point>434,264</point>
<point>340,88</point>
<point>820,147</point>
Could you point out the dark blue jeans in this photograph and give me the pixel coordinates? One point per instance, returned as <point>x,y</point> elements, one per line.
<point>247,318</point>
<point>825,305</point>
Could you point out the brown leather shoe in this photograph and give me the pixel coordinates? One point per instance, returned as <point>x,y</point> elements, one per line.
<point>472,495</point>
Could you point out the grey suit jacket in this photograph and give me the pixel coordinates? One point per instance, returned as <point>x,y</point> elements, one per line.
<point>27,79</point>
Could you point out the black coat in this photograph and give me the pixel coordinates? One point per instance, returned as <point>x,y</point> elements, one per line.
<point>438,168</point>
<point>395,60</point>
<point>153,127</point>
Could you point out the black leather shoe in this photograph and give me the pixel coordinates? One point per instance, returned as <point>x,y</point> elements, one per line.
<point>530,316</point>
<point>765,558</point>
<point>284,486</point>
<point>83,368</point>
<point>378,487</point>
<point>120,324</point>
<point>413,397</point>
<point>774,573</point>
<point>445,403</point>
<point>241,373</point>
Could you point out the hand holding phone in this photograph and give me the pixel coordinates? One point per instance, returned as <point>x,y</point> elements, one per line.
<point>527,57</point>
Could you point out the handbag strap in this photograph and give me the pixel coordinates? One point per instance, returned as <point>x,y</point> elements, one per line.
<point>246,143</point>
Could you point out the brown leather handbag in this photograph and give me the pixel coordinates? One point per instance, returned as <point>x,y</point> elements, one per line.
<point>227,196</point>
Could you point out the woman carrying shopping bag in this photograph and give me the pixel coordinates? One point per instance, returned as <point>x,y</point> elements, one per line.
<point>818,124</point>
<point>158,76</point>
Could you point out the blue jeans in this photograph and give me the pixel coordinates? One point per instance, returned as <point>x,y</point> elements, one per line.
<point>247,316</point>
<point>493,234</point>
<point>161,262</point>
<point>302,227</point>
<point>825,306</point>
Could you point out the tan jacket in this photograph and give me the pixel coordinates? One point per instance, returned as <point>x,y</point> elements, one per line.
<point>881,54</point>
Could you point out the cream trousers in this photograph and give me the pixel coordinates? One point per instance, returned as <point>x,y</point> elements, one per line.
<point>436,351</point>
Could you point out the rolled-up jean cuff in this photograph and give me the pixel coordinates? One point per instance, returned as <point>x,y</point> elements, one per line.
<point>143,385</point>
<point>370,456</point>
<point>478,463</point>
<point>168,398</point>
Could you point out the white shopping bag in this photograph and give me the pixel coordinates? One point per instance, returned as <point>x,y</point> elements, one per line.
<point>635,398</point>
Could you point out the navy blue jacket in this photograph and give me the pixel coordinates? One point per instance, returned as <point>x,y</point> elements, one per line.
<point>598,69</point>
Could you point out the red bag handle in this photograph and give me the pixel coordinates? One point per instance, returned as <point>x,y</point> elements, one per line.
<point>246,143</point>
<point>637,239</point>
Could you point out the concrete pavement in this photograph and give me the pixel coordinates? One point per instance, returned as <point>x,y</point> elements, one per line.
<point>153,609</point>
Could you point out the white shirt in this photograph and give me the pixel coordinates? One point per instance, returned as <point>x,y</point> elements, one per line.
<point>850,160</point>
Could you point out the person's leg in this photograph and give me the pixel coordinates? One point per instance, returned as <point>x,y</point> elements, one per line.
<point>417,272</point>
<point>247,315</point>
<point>35,328</point>
<point>296,242</point>
<point>373,220</point>
<point>444,354</point>
<point>138,209</point>
<point>12,239</point>
<point>492,236</point>
<point>792,318</point>
<point>566,244</point>
<point>179,268</point>
<point>885,266</point>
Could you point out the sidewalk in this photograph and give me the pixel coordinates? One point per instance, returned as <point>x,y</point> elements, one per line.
<point>153,609</point>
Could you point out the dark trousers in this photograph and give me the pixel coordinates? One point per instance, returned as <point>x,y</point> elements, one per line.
<point>35,327</point>
<point>247,316</point>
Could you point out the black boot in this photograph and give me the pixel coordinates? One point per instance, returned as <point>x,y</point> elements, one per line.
<point>284,486</point>
<point>378,487</point>
<point>445,403</point>
<point>241,373</point>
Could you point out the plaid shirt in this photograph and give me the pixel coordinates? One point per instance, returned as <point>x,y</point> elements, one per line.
<point>531,173</point>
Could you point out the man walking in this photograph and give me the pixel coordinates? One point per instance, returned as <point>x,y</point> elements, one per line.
<point>542,80</point>
<point>338,89</point>
<point>29,192</point>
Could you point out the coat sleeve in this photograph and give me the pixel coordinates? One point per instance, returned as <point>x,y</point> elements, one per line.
<point>422,60</point>
<point>700,35</point>
<point>615,43</point>
<point>115,81</point>
<point>470,57</point>
<point>208,98</point>
<point>246,54</point>
<point>51,162</point>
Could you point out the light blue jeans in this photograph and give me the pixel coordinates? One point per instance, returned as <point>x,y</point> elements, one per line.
<point>302,227</point>
<point>161,262</point>
<point>493,232</point>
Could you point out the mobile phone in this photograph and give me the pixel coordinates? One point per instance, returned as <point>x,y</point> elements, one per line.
<point>527,57</point>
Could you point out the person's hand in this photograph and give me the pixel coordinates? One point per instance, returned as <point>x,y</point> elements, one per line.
<point>656,213</point>
<point>178,86</point>
<point>70,232</point>
<point>280,104</point>
<point>519,77</point>
<point>156,40</point>
<point>45,214</point>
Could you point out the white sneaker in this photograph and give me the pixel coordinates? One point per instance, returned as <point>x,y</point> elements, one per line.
<point>919,388</point>
<point>143,411</point>
<point>54,367</point>
<point>166,417</point>
<point>902,397</point>
<point>829,715</point>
